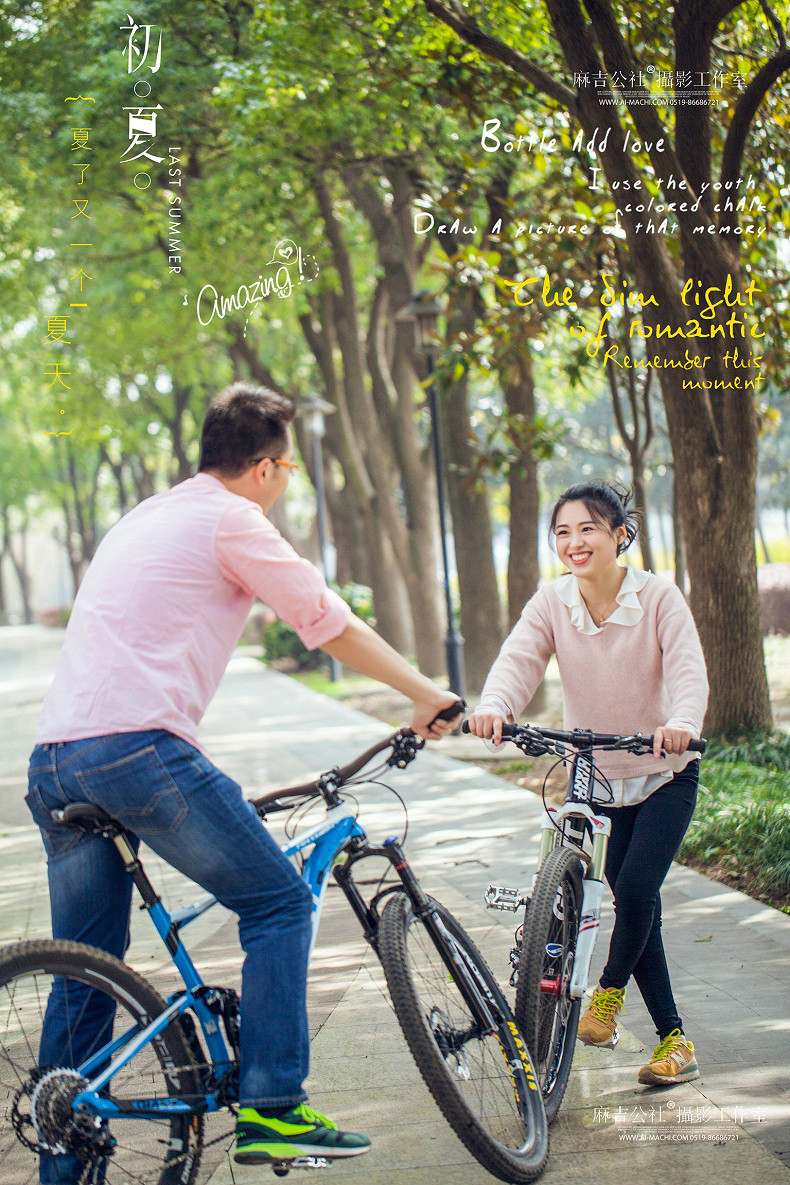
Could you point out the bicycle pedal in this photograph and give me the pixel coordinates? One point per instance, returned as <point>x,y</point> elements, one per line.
<point>503,897</point>
<point>281,1168</point>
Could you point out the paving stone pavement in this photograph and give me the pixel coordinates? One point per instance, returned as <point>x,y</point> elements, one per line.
<point>729,957</point>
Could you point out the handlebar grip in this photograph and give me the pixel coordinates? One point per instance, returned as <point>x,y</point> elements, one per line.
<point>450,713</point>
<point>698,746</point>
<point>508,730</point>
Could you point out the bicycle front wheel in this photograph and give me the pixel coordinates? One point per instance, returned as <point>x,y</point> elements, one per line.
<point>545,1012</point>
<point>479,1076</point>
<point>61,1005</point>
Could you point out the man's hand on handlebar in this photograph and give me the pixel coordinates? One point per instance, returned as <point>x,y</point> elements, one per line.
<point>671,740</point>
<point>487,725</point>
<point>426,722</point>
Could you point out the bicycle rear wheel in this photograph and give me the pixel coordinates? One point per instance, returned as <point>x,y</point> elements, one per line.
<point>481,1080</point>
<point>99,998</point>
<point>545,1012</point>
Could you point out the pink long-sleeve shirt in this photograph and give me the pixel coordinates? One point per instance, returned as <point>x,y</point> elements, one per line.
<point>164,603</point>
<point>622,678</point>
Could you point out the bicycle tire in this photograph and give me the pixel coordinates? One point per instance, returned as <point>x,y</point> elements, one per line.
<point>490,1098</point>
<point>549,1022</point>
<point>151,1152</point>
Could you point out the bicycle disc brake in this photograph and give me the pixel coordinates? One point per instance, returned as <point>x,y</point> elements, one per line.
<point>451,1043</point>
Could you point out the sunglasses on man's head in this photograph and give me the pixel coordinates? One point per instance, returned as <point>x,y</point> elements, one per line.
<point>277,461</point>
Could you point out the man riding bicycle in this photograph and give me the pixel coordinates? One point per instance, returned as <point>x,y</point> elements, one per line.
<point>154,624</point>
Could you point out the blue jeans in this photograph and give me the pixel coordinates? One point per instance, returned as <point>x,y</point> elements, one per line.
<point>168,794</point>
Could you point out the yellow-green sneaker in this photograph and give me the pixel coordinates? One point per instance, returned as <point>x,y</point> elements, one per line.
<point>597,1026</point>
<point>673,1061</point>
<point>298,1132</point>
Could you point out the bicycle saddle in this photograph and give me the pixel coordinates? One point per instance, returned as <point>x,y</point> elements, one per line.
<point>85,815</point>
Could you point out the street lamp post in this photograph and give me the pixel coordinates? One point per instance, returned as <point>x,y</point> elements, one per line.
<point>424,310</point>
<point>314,409</point>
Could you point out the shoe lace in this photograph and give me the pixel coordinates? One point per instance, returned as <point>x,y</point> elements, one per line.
<point>311,1116</point>
<point>606,1002</point>
<point>675,1038</point>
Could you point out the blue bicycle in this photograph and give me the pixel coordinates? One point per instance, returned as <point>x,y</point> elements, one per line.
<point>127,1103</point>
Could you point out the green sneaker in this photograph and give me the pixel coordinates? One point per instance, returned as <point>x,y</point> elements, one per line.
<point>299,1132</point>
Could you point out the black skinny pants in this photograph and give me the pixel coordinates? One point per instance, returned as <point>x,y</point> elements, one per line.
<point>644,841</point>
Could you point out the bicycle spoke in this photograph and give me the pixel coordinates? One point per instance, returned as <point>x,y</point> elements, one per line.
<point>89,1014</point>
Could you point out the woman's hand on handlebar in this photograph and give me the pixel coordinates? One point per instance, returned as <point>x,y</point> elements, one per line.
<point>425,722</point>
<point>487,725</point>
<point>671,740</point>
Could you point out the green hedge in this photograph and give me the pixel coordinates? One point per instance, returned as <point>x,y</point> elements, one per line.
<point>742,822</point>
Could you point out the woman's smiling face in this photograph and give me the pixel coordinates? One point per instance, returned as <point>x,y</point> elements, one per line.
<point>584,544</point>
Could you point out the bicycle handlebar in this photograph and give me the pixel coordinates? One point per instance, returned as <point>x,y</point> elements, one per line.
<point>339,775</point>
<point>580,739</point>
<point>404,744</point>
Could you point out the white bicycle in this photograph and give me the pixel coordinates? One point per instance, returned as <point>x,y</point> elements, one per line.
<point>554,945</point>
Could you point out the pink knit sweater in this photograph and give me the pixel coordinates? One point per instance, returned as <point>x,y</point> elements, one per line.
<point>622,679</point>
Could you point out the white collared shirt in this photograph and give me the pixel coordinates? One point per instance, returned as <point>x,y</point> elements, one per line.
<point>628,611</point>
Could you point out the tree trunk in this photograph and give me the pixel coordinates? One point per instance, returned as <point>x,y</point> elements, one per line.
<point>758,526</point>
<point>381,471</point>
<point>3,603</point>
<point>391,364</point>
<point>390,600</point>
<point>481,612</point>
<point>19,563</point>
<point>143,478</point>
<point>175,423</point>
<point>353,566</point>
<point>680,547</point>
<point>523,569</point>
<point>640,501</point>
<point>523,572</point>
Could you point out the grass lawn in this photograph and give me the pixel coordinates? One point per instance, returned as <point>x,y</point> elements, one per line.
<point>740,833</point>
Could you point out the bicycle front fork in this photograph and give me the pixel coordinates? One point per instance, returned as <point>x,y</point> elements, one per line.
<point>465,974</point>
<point>566,824</point>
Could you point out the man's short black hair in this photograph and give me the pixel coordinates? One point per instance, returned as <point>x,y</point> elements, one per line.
<point>243,422</point>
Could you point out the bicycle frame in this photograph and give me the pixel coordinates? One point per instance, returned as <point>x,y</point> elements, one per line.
<point>567,826</point>
<point>337,833</point>
<point>327,838</point>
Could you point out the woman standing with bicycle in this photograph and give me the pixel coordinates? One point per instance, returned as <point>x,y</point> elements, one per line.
<point>629,661</point>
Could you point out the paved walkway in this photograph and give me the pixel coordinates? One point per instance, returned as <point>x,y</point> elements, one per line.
<point>729,956</point>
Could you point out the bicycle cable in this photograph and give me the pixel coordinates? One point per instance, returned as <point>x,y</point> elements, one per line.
<point>373,781</point>
<point>603,781</point>
<point>549,772</point>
